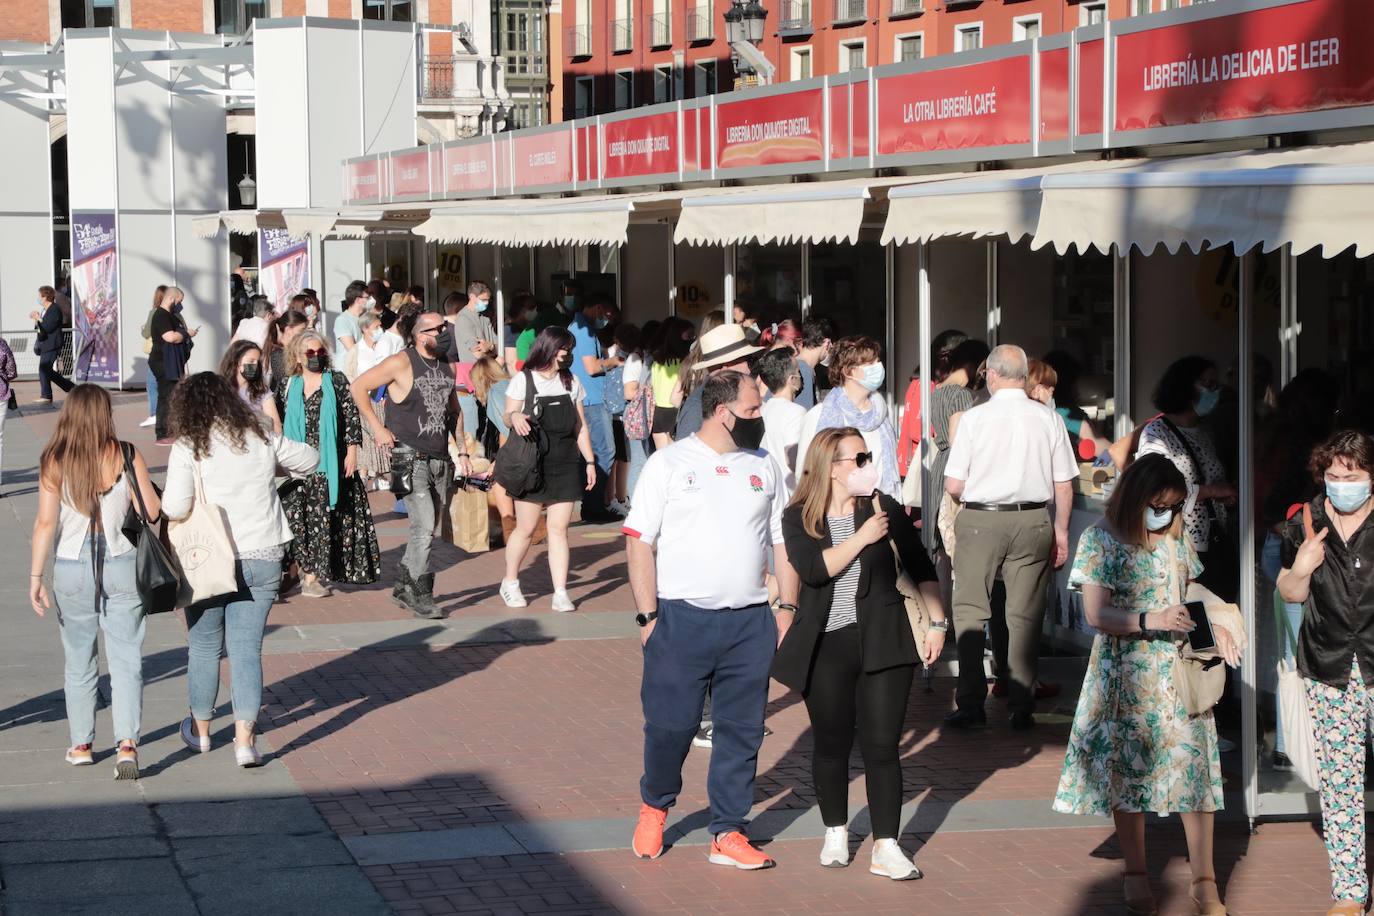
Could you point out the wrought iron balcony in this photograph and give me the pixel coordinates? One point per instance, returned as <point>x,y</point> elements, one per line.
<point>795,18</point>
<point>579,41</point>
<point>850,11</point>
<point>661,30</point>
<point>907,7</point>
<point>701,24</point>
<point>622,35</point>
<point>437,78</point>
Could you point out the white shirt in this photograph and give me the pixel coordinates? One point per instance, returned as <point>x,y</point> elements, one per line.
<point>634,369</point>
<point>1011,450</point>
<point>253,329</point>
<point>782,429</point>
<point>241,484</point>
<point>73,529</point>
<point>544,388</point>
<point>713,518</point>
<point>370,357</point>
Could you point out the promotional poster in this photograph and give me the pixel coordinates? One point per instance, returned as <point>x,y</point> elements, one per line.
<point>284,266</point>
<point>95,297</point>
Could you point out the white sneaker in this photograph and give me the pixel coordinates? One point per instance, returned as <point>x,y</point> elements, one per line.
<point>562,603</point>
<point>890,862</point>
<point>511,594</point>
<point>247,756</point>
<point>618,508</point>
<point>151,421</point>
<point>835,852</point>
<point>193,741</point>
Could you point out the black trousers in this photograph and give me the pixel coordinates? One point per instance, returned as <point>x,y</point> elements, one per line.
<point>840,694</point>
<point>165,387</point>
<point>49,376</point>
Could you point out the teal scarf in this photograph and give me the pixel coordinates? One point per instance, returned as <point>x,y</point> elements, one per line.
<point>293,427</point>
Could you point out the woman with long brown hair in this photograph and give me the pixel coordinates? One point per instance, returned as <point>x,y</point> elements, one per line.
<point>242,368</point>
<point>279,336</point>
<point>850,650</point>
<point>149,379</point>
<point>83,497</point>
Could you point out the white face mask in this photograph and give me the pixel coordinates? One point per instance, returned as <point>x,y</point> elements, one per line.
<point>377,334</point>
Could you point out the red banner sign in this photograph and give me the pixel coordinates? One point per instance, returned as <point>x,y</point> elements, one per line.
<point>363,180</point>
<point>771,130</point>
<point>1090,79</point>
<point>542,159</point>
<point>469,168</point>
<point>410,174</point>
<point>1054,94</point>
<point>978,105</point>
<point>640,146</point>
<point>1307,56</point>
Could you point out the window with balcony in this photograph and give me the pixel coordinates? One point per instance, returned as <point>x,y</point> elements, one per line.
<point>909,47</point>
<point>232,17</point>
<point>389,10</point>
<point>794,18</point>
<point>907,7</point>
<point>801,63</point>
<point>661,24</point>
<point>1025,28</point>
<point>522,40</point>
<point>624,89</point>
<point>700,23</point>
<point>704,82</point>
<point>1141,7</point>
<point>663,84</point>
<point>850,11</point>
<point>622,35</point>
<point>1095,13</point>
<point>968,37</point>
<point>1170,4</point>
<point>853,55</point>
<point>578,41</point>
<point>584,97</point>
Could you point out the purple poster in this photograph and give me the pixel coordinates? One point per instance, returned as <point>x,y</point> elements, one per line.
<point>284,266</point>
<point>95,297</point>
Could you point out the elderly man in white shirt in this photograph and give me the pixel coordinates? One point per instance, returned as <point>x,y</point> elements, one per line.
<point>1010,458</point>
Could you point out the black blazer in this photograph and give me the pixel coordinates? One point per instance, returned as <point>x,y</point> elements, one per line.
<point>884,631</point>
<point>50,330</point>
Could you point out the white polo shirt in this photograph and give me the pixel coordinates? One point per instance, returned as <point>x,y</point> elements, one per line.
<point>1011,450</point>
<point>713,518</point>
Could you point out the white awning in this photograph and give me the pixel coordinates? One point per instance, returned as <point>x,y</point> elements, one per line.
<point>813,212</point>
<point>299,222</point>
<point>303,223</point>
<point>238,222</point>
<point>1311,198</point>
<point>534,222</point>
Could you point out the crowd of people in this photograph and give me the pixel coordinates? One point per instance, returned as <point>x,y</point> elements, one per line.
<point>770,456</point>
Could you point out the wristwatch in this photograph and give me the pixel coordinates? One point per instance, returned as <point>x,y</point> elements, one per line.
<point>644,619</point>
<point>941,625</point>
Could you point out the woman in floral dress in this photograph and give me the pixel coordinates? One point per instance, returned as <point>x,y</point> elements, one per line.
<point>328,511</point>
<point>1133,748</point>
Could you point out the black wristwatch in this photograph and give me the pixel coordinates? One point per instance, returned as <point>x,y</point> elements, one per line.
<point>644,619</point>
<point>1142,621</point>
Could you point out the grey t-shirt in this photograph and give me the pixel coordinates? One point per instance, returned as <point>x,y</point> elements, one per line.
<point>470,328</point>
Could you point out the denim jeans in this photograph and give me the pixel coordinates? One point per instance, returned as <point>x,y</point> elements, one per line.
<point>639,453</point>
<point>120,615</point>
<point>151,381</point>
<point>232,625</point>
<point>689,648</point>
<point>603,450</point>
<point>469,405</point>
<point>433,478</point>
<point>1271,562</point>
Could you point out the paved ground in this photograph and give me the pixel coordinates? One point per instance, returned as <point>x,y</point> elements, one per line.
<point>487,763</point>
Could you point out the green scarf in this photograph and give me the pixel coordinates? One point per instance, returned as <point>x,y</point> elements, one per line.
<point>293,427</point>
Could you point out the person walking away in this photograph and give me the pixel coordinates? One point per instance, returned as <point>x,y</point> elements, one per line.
<point>328,511</point>
<point>172,342</point>
<point>48,324</point>
<point>817,334</point>
<point>705,619</point>
<point>547,393</point>
<point>84,494</point>
<point>489,382</point>
<point>472,337</point>
<point>347,331</point>
<point>284,330</point>
<point>1134,749</point>
<point>373,348</point>
<point>1010,457</point>
<point>421,405</point>
<point>674,343</point>
<point>851,652</point>
<point>1328,565</point>
<point>634,375</point>
<point>857,376</point>
<point>9,371</point>
<point>242,369</point>
<point>226,444</point>
<point>1188,391</point>
<point>590,365</point>
<point>150,381</point>
<point>782,415</point>
<point>255,327</point>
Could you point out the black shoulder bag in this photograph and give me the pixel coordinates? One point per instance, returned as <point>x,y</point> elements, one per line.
<point>520,462</point>
<point>156,571</point>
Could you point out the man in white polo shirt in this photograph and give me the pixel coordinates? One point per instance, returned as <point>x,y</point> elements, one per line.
<point>1010,458</point>
<point>707,510</point>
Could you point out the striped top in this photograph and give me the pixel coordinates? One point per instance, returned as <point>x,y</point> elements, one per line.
<point>843,611</point>
<point>945,402</point>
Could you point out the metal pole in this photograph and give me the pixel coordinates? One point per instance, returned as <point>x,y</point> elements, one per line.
<point>923,336</point>
<point>1121,341</point>
<point>729,284</point>
<point>500,300</point>
<point>890,329</point>
<point>994,310</point>
<point>806,280</point>
<point>1249,745</point>
<point>1289,327</point>
<point>672,275</point>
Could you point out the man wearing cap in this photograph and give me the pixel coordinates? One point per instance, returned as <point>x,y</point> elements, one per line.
<point>706,515</point>
<point>1010,459</point>
<point>725,347</point>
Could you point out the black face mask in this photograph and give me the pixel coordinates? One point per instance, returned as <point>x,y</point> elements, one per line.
<point>316,364</point>
<point>250,372</point>
<point>747,434</point>
<point>442,341</point>
<point>565,362</point>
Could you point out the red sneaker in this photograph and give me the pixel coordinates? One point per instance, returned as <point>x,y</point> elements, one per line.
<point>648,839</point>
<point>734,848</point>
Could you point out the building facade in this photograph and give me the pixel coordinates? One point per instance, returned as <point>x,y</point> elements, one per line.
<point>620,54</point>
<point>522,34</point>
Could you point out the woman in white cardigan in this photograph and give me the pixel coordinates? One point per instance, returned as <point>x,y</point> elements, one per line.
<point>237,456</point>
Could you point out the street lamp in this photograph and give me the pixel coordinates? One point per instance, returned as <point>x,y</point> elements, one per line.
<point>744,22</point>
<point>248,192</point>
<point>754,16</point>
<point>735,30</point>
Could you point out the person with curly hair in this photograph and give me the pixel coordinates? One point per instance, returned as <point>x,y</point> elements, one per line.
<point>329,513</point>
<point>228,452</point>
<point>242,368</point>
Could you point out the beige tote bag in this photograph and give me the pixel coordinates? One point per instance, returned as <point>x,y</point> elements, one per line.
<point>204,549</point>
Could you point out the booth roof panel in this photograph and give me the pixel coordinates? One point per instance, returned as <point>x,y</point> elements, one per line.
<point>1315,197</point>
<point>535,222</point>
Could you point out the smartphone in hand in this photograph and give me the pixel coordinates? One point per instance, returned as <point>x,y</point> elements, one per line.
<point>1201,638</point>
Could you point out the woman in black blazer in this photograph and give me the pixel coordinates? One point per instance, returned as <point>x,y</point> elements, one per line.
<point>850,650</point>
<point>48,323</point>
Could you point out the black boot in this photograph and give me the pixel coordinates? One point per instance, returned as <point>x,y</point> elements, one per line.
<point>424,605</point>
<point>403,594</point>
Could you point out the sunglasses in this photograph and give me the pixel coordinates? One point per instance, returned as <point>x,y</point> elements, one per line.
<point>434,330</point>
<point>309,354</point>
<point>860,459</point>
<point>1176,507</point>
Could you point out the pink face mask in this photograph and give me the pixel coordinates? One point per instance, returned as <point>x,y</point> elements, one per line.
<point>863,481</point>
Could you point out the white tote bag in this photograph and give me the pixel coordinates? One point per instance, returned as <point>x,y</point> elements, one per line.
<point>1294,716</point>
<point>203,547</point>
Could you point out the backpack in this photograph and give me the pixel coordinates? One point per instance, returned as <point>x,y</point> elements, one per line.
<point>520,462</point>
<point>638,416</point>
<point>614,391</point>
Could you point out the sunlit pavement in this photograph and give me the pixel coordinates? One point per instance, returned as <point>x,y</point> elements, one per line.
<point>488,763</point>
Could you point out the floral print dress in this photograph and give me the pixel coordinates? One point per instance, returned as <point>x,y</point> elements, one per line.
<point>1133,747</point>
<point>339,544</point>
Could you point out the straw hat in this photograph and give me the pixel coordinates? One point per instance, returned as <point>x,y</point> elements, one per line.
<point>724,344</point>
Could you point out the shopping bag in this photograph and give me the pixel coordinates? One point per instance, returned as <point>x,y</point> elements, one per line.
<point>466,524</point>
<point>1295,718</point>
<point>204,550</point>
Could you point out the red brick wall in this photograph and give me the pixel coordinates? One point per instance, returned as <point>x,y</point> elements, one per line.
<point>291,8</point>
<point>24,20</point>
<point>171,15</point>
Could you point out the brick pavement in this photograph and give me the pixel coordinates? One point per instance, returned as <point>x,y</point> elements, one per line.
<point>399,740</point>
